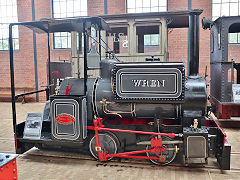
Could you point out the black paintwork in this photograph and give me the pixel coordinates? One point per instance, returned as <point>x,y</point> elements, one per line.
<point>171,82</point>
<point>190,105</point>
<point>221,78</point>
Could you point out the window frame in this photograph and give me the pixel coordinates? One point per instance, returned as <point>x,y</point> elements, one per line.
<point>229,10</point>
<point>160,49</point>
<point>126,2</point>
<point>54,46</point>
<point>2,39</point>
<point>151,44</point>
<point>119,26</point>
<point>215,17</point>
<point>238,38</point>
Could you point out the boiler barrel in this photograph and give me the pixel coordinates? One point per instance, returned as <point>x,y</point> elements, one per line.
<point>138,110</point>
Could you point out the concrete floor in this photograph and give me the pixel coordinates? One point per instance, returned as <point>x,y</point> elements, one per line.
<point>43,167</point>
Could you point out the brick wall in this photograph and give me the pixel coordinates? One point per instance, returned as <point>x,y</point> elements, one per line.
<point>178,38</point>
<point>95,7</point>
<point>204,53</point>
<point>23,77</point>
<point>116,7</point>
<point>24,60</point>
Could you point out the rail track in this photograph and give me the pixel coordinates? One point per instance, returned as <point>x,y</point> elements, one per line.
<point>133,163</point>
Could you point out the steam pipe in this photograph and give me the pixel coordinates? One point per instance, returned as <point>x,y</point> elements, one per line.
<point>193,64</point>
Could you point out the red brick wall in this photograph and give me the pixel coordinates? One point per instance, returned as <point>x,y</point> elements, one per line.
<point>95,7</point>
<point>178,38</point>
<point>174,5</point>
<point>43,9</point>
<point>24,77</point>
<point>204,53</point>
<point>23,58</point>
<point>116,7</point>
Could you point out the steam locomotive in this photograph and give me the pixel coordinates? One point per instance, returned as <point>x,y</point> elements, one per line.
<point>130,110</point>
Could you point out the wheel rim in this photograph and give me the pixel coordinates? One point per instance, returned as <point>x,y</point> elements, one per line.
<point>170,155</point>
<point>108,143</point>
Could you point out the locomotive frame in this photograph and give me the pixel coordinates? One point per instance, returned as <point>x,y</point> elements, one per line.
<point>90,113</point>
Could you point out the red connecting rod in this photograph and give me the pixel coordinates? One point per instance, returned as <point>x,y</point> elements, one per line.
<point>156,144</point>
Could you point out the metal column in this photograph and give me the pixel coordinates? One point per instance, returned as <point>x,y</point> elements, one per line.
<point>194,32</point>
<point>35,52</point>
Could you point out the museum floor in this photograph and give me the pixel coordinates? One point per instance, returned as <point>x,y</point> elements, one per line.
<point>44,165</point>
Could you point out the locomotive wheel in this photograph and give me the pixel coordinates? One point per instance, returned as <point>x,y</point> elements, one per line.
<point>109,142</point>
<point>170,155</point>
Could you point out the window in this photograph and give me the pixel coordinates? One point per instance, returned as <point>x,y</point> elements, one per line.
<point>151,40</point>
<point>62,40</point>
<point>69,8</point>
<point>234,38</point>
<point>147,39</point>
<point>139,6</point>
<point>117,39</point>
<point>8,14</point>
<point>227,8</point>
<point>63,9</point>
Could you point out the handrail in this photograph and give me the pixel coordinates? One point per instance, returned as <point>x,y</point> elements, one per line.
<point>33,92</point>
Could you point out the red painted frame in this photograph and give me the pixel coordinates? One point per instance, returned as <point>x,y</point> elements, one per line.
<point>156,143</point>
<point>226,110</point>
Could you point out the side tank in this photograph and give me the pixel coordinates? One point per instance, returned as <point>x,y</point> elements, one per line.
<point>193,106</point>
<point>106,105</point>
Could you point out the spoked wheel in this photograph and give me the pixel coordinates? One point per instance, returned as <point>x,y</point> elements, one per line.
<point>108,143</point>
<point>170,154</point>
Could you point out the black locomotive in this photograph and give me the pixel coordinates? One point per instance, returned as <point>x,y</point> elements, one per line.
<point>131,109</point>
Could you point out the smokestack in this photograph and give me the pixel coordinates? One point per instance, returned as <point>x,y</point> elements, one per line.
<point>193,63</point>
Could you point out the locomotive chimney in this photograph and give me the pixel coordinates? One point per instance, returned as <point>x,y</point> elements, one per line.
<point>193,60</point>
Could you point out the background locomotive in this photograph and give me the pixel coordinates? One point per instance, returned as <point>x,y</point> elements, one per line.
<point>132,108</point>
<point>224,87</point>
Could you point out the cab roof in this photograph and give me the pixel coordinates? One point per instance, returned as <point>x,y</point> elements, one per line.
<point>65,25</point>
